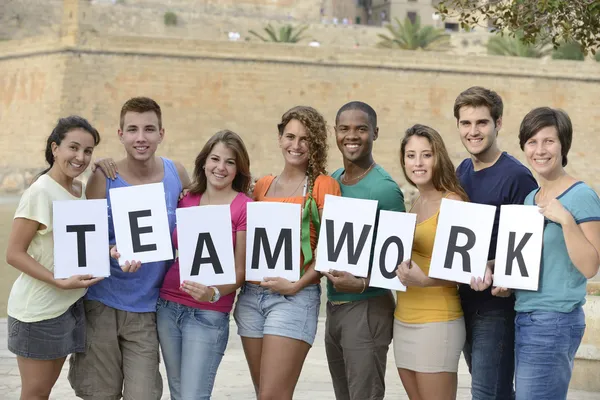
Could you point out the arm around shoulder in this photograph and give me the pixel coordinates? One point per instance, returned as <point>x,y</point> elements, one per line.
<point>183,175</point>
<point>96,186</point>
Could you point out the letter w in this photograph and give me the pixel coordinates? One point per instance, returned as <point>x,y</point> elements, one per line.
<point>334,250</point>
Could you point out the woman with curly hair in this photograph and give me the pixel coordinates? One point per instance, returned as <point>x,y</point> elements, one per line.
<point>276,318</point>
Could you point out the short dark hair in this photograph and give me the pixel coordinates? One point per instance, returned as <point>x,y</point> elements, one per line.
<point>478,96</point>
<point>359,105</point>
<point>543,117</point>
<point>141,105</point>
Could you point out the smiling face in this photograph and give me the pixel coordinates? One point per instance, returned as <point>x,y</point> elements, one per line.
<point>141,134</point>
<point>419,160</point>
<point>294,143</point>
<point>355,135</point>
<point>220,167</point>
<point>74,153</point>
<point>477,129</point>
<point>543,152</point>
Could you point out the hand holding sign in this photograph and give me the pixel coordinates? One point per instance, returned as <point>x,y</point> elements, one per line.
<point>501,292</point>
<point>555,212</point>
<point>197,290</point>
<point>280,285</point>
<point>345,282</point>
<point>411,275</point>
<point>478,284</point>
<point>129,266</point>
<point>77,282</point>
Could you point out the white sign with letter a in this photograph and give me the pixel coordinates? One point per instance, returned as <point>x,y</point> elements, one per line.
<point>205,243</point>
<point>462,241</point>
<point>519,247</point>
<point>80,232</point>
<point>272,241</point>
<point>395,234</point>
<point>346,235</point>
<point>141,223</point>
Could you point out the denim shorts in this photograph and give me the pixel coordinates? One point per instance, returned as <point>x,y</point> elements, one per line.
<point>49,339</point>
<point>261,311</point>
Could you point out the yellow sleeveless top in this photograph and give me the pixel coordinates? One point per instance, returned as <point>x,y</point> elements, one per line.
<point>431,304</point>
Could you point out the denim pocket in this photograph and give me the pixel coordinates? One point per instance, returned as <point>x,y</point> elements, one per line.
<point>13,328</point>
<point>211,319</point>
<point>544,318</point>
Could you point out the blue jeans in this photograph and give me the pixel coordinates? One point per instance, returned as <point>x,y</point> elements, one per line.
<point>546,343</point>
<point>193,342</point>
<point>489,352</point>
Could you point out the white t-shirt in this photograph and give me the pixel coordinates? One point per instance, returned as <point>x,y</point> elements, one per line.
<point>32,300</point>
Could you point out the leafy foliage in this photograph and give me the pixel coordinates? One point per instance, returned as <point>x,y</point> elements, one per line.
<point>514,46</point>
<point>569,51</point>
<point>170,18</point>
<point>555,21</point>
<point>286,34</point>
<point>413,36</point>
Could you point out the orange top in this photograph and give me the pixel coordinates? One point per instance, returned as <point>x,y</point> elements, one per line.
<point>323,185</point>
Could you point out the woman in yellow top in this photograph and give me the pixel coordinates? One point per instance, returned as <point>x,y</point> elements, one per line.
<point>46,320</point>
<point>429,330</point>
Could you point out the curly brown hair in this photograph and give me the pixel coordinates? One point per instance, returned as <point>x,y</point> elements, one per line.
<point>444,178</point>
<point>242,180</point>
<point>316,129</point>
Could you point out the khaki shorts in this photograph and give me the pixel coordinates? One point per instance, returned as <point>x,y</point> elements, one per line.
<point>121,357</point>
<point>431,347</point>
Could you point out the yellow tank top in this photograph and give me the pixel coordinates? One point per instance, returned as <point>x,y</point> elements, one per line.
<point>431,304</point>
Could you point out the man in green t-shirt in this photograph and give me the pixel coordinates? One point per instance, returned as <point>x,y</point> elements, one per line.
<point>360,319</point>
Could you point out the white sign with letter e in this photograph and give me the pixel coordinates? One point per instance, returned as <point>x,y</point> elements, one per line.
<point>519,247</point>
<point>272,241</point>
<point>346,235</point>
<point>80,232</point>
<point>141,223</point>
<point>205,245</point>
<point>395,234</point>
<point>462,241</point>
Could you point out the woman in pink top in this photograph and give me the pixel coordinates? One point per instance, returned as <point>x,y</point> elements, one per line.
<point>193,319</point>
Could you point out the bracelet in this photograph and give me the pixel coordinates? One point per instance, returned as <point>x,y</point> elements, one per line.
<point>364,285</point>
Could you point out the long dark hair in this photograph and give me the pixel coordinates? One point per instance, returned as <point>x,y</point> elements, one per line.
<point>444,179</point>
<point>64,126</point>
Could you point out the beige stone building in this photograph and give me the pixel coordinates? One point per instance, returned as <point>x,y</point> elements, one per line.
<point>208,85</point>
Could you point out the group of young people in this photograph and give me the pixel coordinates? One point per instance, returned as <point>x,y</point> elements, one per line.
<point>114,327</point>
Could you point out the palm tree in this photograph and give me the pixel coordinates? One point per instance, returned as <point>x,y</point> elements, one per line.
<point>568,51</point>
<point>412,36</point>
<point>287,34</point>
<point>513,46</point>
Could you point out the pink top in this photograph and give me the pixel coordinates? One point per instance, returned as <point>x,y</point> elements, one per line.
<point>170,287</point>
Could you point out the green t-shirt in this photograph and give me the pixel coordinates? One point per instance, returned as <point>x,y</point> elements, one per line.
<point>376,185</point>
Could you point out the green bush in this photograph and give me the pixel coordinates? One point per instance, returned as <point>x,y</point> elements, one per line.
<point>170,18</point>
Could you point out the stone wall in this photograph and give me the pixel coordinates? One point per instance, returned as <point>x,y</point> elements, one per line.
<point>207,86</point>
<point>197,19</point>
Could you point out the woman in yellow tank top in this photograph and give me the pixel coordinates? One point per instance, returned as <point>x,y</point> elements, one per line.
<point>429,330</point>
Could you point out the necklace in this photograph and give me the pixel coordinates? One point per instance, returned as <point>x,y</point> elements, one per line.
<point>345,180</point>
<point>294,191</point>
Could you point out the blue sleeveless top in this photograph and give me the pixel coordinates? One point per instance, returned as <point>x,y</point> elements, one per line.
<point>137,291</point>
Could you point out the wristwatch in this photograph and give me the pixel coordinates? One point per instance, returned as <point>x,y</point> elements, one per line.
<point>216,295</point>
